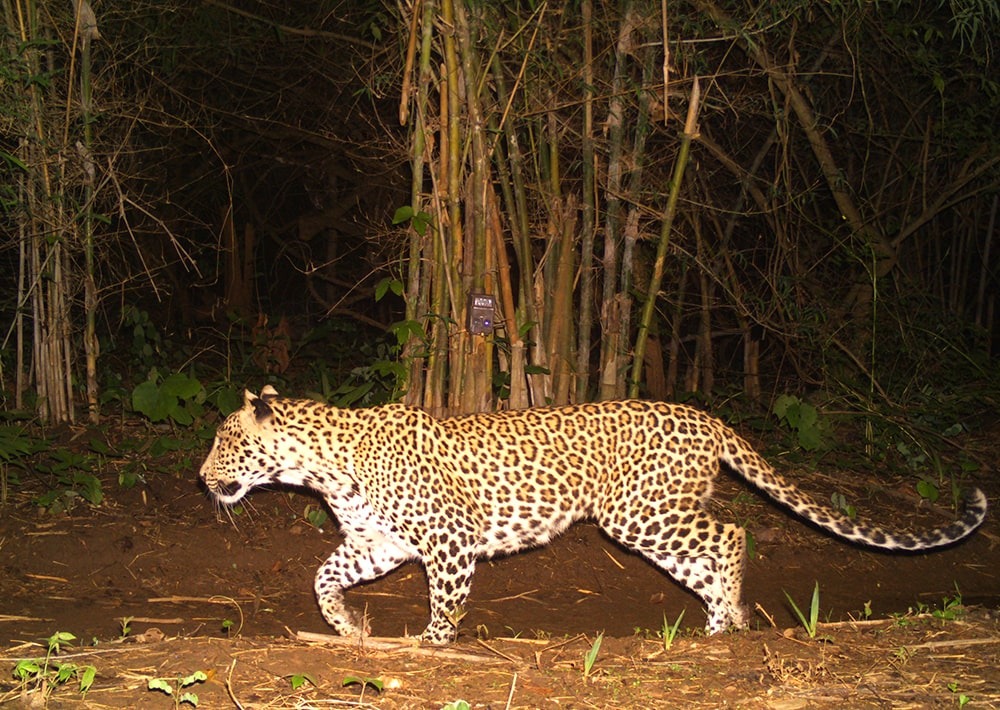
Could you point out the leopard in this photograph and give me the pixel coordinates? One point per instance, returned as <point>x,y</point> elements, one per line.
<point>405,485</point>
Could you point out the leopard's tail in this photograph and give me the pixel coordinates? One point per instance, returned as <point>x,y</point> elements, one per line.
<point>755,469</point>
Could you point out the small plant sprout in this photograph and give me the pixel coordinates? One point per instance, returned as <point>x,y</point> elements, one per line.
<point>375,683</point>
<point>810,623</point>
<point>801,418</point>
<point>125,626</point>
<point>951,608</point>
<point>174,688</point>
<point>297,680</point>
<point>928,490</point>
<point>456,705</point>
<point>46,674</point>
<point>315,516</point>
<point>669,631</point>
<point>456,615</point>
<point>963,699</point>
<point>227,626</point>
<point>839,502</point>
<point>751,545</point>
<point>591,656</point>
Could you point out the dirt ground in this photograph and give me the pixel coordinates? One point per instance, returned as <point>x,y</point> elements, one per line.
<point>156,584</point>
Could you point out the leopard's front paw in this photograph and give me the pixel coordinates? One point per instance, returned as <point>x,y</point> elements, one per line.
<point>438,634</point>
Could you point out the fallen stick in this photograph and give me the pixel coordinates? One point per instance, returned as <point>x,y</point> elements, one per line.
<point>196,600</point>
<point>955,643</point>
<point>410,646</point>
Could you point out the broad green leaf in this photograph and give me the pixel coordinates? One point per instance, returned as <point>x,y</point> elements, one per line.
<point>403,214</point>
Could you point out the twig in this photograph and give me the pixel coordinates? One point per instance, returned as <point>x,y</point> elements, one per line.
<point>394,645</point>
<point>858,623</point>
<point>612,558</point>
<point>770,619</point>
<point>229,685</point>
<point>510,695</point>
<point>12,617</point>
<point>153,620</point>
<point>47,578</point>
<point>512,659</point>
<point>955,643</point>
<point>195,600</point>
<point>512,597</point>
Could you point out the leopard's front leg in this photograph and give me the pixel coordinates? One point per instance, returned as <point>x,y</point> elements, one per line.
<point>357,560</point>
<point>449,580</point>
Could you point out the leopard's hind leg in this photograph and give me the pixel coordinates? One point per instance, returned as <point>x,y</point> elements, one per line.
<point>715,584</point>
<point>706,556</point>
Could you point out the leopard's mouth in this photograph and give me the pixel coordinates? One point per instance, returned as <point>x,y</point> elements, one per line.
<point>227,492</point>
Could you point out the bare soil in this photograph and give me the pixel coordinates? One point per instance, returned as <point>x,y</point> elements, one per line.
<point>233,598</point>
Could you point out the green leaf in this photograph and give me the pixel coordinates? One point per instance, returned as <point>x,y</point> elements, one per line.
<point>228,400</point>
<point>809,438</point>
<point>403,214</point>
<point>808,415</point>
<point>99,447</point>
<point>27,669</point>
<point>388,284</point>
<point>87,678</point>
<point>421,221</point>
<point>405,329</point>
<point>160,684</point>
<point>146,399</point>
<point>954,430</point>
<point>928,490</point>
<point>14,443</point>
<point>375,683</point>
<point>181,415</point>
<point>64,672</point>
<point>300,679</point>
<point>782,403</point>
<point>13,161</point>
<point>59,638</point>
<point>89,487</point>
<point>181,386</point>
<point>196,677</point>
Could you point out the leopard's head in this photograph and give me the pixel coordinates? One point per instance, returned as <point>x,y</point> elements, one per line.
<point>242,453</point>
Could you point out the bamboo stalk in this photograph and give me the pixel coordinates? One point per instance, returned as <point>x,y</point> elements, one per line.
<point>85,31</point>
<point>43,229</point>
<point>477,373</point>
<point>440,277</point>
<point>515,198</point>
<point>452,230</point>
<point>984,271</point>
<point>417,288</point>
<point>631,232</point>
<point>690,130</point>
<point>611,299</point>
<point>588,227</point>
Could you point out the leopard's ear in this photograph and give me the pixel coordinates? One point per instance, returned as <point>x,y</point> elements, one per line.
<point>268,393</point>
<point>261,410</point>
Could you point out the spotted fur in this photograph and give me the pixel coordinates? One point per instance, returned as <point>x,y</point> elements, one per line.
<point>404,485</point>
